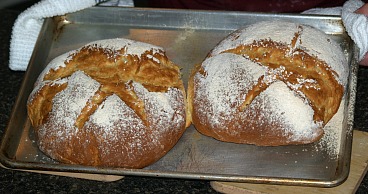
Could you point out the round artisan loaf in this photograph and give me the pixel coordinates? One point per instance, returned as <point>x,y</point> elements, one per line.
<point>114,102</point>
<point>269,84</point>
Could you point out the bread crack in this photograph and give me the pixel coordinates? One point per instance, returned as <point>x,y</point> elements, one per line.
<point>303,73</point>
<point>41,104</point>
<point>115,70</point>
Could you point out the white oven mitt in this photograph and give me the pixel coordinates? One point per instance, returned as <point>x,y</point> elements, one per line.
<point>355,24</point>
<point>28,25</point>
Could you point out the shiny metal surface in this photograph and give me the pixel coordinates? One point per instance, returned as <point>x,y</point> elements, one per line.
<point>187,37</point>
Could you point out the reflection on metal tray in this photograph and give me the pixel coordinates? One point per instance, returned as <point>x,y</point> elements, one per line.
<point>188,36</point>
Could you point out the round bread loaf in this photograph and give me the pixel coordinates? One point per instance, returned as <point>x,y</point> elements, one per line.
<point>269,84</point>
<point>115,102</point>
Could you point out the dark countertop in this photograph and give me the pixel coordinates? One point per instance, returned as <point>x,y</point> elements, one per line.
<point>12,181</point>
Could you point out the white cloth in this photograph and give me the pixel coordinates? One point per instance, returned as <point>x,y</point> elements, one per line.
<point>356,25</point>
<point>28,25</point>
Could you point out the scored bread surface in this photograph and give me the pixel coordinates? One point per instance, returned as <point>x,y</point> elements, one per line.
<point>271,83</point>
<point>114,102</point>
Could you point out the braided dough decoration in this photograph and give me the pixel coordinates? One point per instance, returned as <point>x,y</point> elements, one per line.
<point>114,102</point>
<point>271,83</point>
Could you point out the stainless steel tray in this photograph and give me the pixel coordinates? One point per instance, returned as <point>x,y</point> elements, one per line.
<point>188,36</point>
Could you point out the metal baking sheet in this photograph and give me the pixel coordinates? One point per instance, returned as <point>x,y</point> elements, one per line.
<point>188,36</point>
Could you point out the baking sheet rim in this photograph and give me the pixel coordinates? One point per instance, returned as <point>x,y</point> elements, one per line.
<point>10,163</point>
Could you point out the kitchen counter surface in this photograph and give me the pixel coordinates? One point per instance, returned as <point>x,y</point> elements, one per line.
<point>12,181</point>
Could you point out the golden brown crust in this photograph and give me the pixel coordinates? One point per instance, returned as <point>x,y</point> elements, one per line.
<point>125,109</point>
<point>324,94</point>
<point>267,92</point>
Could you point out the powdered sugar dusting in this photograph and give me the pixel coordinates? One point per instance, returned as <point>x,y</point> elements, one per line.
<point>312,41</point>
<point>131,47</point>
<point>165,111</point>
<point>292,110</point>
<point>113,131</point>
<point>164,108</point>
<point>55,63</point>
<point>110,111</point>
<point>332,138</point>
<point>68,104</point>
<point>229,77</point>
<point>117,121</point>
